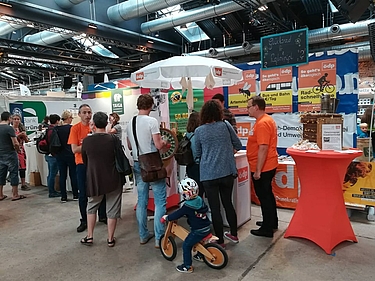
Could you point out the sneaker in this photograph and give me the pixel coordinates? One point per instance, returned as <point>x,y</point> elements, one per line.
<point>64,200</point>
<point>53,195</point>
<point>82,227</point>
<point>145,240</point>
<point>25,188</point>
<point>75,198</point>
<point>231,237</point>
<point>157,242</point>
<point>198,257</point>
<point>184,269</point>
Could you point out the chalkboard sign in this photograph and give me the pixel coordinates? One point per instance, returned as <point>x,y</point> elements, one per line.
<point>284,49</point>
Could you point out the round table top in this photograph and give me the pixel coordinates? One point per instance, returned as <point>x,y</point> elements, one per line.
<point>350,153</point>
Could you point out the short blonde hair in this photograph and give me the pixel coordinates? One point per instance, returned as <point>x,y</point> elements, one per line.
<point>66,114</point>
<point>363,125</point>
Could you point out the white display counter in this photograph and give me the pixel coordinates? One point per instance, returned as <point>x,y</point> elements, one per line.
<point>241,196</point>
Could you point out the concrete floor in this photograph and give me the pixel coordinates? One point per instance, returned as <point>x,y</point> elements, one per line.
<point>38,241</point>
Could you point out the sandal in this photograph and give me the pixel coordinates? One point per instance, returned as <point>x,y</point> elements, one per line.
<point>88,241</point>
<point>19,198</point>
<point>111,243</point>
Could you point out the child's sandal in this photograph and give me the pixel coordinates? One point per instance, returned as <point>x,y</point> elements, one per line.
<point>88,241</point>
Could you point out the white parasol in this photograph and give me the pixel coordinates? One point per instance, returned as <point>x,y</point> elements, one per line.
<point>187,72</point>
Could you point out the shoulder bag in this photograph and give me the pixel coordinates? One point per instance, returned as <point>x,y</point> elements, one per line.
<point>150,163</point>
<point>122,162</point>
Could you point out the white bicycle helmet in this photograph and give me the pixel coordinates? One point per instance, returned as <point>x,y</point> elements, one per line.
<point>188,188</point>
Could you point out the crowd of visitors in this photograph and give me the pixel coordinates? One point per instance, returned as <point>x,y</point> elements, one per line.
<point>88,153</point>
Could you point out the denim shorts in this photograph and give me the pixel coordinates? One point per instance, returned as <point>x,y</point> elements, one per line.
<point>9,162</point>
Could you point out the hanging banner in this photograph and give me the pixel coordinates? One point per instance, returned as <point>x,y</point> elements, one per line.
<point>178,110</point>
<point>241,92</point>
<point>276,89</point>
<point>16,108</point>
<point>314,80</point>
<point>117,101</point>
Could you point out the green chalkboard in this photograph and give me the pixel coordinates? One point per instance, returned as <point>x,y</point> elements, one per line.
<point>285,49</point>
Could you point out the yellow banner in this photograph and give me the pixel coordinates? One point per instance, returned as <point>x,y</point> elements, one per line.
<point>278,101</point>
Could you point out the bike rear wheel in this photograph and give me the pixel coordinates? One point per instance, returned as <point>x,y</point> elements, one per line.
<point>220,259</point>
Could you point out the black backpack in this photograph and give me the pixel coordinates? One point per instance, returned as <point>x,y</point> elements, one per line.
<point>184,154</point>
<point>49,142</point>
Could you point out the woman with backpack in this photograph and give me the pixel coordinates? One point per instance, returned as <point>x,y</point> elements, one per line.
<point>192,170</point>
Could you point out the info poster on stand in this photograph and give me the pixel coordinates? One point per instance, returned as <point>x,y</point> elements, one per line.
<point>331,137</point>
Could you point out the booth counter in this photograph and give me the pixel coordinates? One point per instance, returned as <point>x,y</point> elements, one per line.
<point>241,196</point>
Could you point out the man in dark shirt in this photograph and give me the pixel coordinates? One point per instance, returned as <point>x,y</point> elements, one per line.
<point>8,157</point>
<point>227,114</point>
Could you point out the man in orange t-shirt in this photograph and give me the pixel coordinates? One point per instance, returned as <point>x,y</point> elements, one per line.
<point>77,133</point>
<point>263,160</point>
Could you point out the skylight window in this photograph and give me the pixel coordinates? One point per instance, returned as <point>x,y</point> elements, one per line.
<point>190,31</point>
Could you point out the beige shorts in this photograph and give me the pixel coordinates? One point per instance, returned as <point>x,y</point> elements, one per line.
<point>113,204</point>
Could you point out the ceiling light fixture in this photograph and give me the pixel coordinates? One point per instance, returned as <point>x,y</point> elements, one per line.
<point>223,18</point>
<point>30,25</point>
<point>157,34</point>
<point>93,26</point>
<point>263,8</point>
<point>150,41</point>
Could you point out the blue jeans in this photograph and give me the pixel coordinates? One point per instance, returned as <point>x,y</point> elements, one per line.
<point>82,197</point>
<point>160,197</point>
<point>52,172</point>
<point>9,162</point>
<point>193,238</point>
<point>65,162</point>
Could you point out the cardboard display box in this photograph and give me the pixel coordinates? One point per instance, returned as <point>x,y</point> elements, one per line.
<point>34,179</point>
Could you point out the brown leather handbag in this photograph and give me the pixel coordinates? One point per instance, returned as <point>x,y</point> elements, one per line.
<point>151,164</point>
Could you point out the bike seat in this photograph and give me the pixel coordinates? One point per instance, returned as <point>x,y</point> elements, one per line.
<point>206,238</point>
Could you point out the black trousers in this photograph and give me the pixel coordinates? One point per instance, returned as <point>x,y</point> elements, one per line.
<point>217,189</point>
<point>263,190</point>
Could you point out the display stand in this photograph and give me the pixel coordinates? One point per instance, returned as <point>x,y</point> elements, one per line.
<point>320,215</point>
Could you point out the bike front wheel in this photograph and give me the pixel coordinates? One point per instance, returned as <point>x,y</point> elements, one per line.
<point>170,252</point>
<point>329,88</point>
<point>220,256</point>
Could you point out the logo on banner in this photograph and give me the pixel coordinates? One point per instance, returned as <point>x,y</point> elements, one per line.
<point>139,76</point>
<point>218,71</point>
<point>243,174</point>
<point>117,103</point>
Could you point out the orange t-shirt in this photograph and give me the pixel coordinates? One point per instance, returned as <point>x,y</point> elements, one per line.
<point>77,133</point>
<point>263,132</point>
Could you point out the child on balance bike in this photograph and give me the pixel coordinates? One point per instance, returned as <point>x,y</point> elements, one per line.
<point>195,210</point>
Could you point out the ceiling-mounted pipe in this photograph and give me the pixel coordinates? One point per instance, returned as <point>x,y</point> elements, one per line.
<point>136,8</point>
<point>66,4</point>
<point>47,37</point>
<point>334,32</point>
<point>8,27</point>
<point>193,15</point>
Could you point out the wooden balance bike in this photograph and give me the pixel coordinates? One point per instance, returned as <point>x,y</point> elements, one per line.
<point>213,254</point>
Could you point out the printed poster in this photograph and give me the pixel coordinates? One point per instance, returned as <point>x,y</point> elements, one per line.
<point>117,101</point>
<point>314,80</point>
<point>359,184</point>
<point>178,110</point>
<point>241,92</point>
<point>276,89</point>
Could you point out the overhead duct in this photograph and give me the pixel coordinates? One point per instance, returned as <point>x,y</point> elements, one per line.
<point>66,4</point>
<point>321,35</point>
<point>136,8</point>
<point>192,15</point>
<point>7,27</point>
<point>47,37</point>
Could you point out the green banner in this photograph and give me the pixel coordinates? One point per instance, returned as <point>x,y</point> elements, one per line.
<point>178,110</point>
<point>117,101</point>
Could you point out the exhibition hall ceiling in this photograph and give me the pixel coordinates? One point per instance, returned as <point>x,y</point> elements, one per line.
<point>42,41</point>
